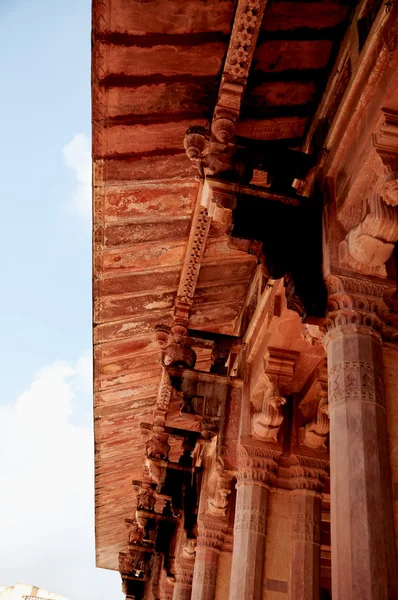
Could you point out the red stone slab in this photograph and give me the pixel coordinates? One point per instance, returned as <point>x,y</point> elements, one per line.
<point>161,98</point>
<point>285,16</point>
<point>165,60</point>
<point>220,318</point>
<point>141,327</point>
<point>289,55</point>
<point>226,271</point>
<point>219,294</point>
<point>272,129</point>
<point>151,167</point>
<point>116,350</point>
<point>126,234</point>
<point>164,16</point>
<point>280,93</point>
<point>144,256</point>
<point>115,307</point>
<point>138,202</point>
<point>135,139</point>
<point>139,283</point>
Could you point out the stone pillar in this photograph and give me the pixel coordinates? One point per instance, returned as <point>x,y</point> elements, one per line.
<point>255,474</point>
<point>306,545</point>
<point>209,543</point>
<point>362,530</point>
<point>183,583</point>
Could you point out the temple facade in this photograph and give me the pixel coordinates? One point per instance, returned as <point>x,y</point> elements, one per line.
<point>245,227</point>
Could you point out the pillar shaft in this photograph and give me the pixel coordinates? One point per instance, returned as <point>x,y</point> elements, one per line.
<point>249,540</point>
<point>205,571</point>
<point>362,529</point>
<point>306,545</point>
<point>182,591</point>
<point>183,584</point>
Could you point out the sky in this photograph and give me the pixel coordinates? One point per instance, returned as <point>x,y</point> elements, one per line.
<point>46,438</point>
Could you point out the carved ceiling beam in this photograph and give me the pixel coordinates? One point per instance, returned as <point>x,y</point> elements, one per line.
<point>247,23</point>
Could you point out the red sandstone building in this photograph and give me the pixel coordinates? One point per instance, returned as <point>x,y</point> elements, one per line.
<point>245,160</point>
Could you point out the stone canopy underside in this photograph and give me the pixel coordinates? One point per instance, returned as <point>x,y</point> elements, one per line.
<point>156,71</point>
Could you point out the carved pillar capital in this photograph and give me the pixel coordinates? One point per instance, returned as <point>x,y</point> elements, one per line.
<point>211,534</point>
<point>256,466</point>
<point>184,571</point>
<point>308,473</point>
<point>362,305</point>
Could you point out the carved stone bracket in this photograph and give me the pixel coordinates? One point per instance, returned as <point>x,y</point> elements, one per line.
<point>278,371</point>
<point>370,243</point>
<point>218,501</point>
<point>175,346</point>
<point>314,405</point>
<point>385,141</point>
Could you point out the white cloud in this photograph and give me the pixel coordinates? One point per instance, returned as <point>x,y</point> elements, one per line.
<point>47,487</point>
<point>77,156</point>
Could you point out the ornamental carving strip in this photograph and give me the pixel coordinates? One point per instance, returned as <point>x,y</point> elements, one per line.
<point>205,574</point>
<point>248,19</point>
<point>193,258</point>
<point>250,518</point>
<point>306,529</point>
<point>352,381</point>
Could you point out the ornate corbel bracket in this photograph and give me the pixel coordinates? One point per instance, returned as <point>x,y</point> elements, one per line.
<point>278,372</point>
<point>175,346</point>
<point>370,243</point>
<point>385,140</point>
<point>219,490</point>
<point>315,433</point>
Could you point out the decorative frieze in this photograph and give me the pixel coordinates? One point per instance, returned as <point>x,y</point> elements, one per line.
<point>306,527</point>
<point>356,380</point>
<point>249,518</point>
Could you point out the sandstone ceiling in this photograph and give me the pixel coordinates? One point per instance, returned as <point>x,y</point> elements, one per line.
<point>156,71</point>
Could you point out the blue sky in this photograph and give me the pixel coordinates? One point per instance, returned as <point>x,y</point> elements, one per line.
<point>46,479</point>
